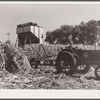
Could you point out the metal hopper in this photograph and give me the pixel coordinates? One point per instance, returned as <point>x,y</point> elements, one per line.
<point>29,33</point>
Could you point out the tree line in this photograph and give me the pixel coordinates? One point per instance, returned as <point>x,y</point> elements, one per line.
<point>84,33</point>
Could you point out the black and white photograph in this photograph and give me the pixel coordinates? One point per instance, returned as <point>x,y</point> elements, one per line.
<point>49,46</point>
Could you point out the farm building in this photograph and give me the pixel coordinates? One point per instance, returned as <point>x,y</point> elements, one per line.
<point>30,33</point>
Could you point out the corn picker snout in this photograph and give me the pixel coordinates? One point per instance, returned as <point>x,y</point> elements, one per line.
<point>9,58</point>
<point>11,64</point>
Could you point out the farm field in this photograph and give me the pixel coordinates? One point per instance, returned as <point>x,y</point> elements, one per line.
<point>45,78</point>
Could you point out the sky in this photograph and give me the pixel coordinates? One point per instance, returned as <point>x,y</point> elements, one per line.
<point>48,15</point>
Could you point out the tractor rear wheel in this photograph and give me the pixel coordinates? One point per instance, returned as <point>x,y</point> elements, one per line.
<point>65,64</point>
<point>82,68</point>
<point>97,72</point>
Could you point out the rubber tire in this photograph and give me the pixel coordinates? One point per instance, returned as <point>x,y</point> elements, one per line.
<point>11,67</point>
<point>85,70</point>
<point>58,67</point>
<point>96,74</point>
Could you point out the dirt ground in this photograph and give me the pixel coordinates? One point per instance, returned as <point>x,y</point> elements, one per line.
<point>45,78</point>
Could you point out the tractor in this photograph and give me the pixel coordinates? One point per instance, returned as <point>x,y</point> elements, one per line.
<point>74,60</point>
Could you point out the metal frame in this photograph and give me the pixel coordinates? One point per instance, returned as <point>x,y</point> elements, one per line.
<point>46,59</point>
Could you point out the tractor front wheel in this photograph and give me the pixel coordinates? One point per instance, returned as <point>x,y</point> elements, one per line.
<point>82,68</point>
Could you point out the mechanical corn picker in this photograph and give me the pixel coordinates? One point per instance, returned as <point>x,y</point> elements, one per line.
<point>69,60</point>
